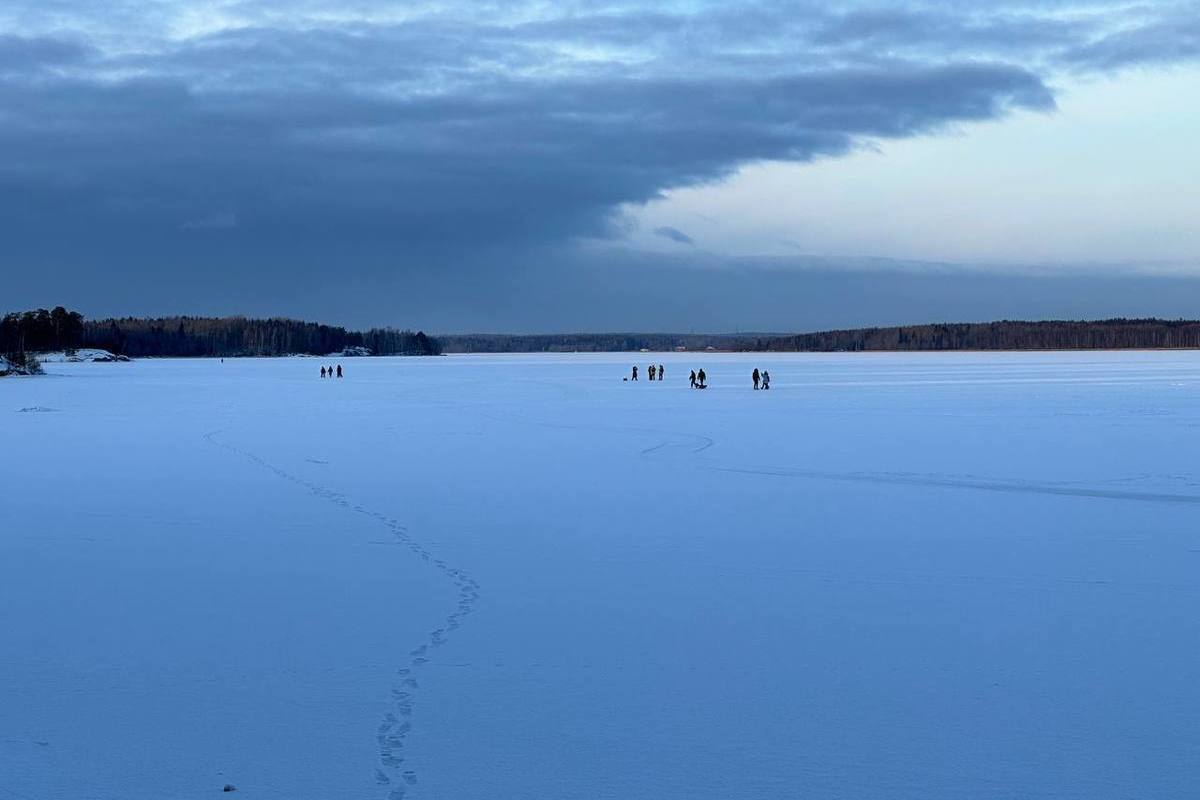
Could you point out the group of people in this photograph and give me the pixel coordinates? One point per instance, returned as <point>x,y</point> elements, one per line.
<point>328,372</point>
<point>697,378</point>
<point>657,372</point>
<point>654,373</point>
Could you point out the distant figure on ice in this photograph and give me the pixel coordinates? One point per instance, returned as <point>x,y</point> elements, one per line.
<point>635,372</point>
<point>700,376</point>
<point>339,370</point>
<point>766,378</point>
<point>755,377</point>
<point>692,378</point>
<point>322,372</point>
<point>651,371</point>
<point>662,372</point>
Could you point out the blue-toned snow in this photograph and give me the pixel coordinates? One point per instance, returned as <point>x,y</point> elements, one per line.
<point>925,576</point>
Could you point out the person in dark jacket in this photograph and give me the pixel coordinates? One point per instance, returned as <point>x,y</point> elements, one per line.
<point>692,378</point>
<point>662,371</point>
<point>651,371</point>
<point>754,377</point>
<point>700,376</point>
<point>766,379</point>
<point>322,372</point>
<point>635,372</point>
<point>339,370</point>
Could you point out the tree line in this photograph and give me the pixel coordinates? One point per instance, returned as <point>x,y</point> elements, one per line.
<point>59,329</point>
<point>1109,334</point>
<point>584,342</point>
<point>42,330</point>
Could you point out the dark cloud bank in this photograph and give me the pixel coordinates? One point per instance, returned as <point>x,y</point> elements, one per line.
<point>437,166</point>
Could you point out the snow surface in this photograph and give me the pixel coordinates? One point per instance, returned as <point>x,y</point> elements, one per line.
<point>891,576</point>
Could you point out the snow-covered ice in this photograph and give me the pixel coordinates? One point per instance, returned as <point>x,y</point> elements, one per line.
<point>891,576</point>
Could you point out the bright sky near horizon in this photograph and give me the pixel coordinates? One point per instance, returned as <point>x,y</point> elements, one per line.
<point>364,161</point>
<point>1108,180</point>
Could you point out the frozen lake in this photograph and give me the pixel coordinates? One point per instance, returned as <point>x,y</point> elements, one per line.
<point>892,576</point>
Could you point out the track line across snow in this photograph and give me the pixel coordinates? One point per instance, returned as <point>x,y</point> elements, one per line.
<point>395,725</point>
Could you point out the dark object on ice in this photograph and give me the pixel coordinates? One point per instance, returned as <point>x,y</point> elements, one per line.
<point>339,370</point>
<point>692,378</point>
<point>766,379</point>
<point>635,373</point>
<point>700,377</point>
<point>322,372</point>
<point>229,787</point>
<point>662,371</point>
<point>755,377</point>
<point>651,370</point>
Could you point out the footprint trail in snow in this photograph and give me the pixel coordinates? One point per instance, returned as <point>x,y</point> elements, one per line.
<point>395,727</point>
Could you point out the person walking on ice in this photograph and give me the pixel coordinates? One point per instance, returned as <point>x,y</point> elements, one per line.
<point>662,371</point>
<point>692,378</point>
<point>700,376</point>
<point>339,370</point>
<point>322,372</point>
<point>634,372</point>
<point>650,371</point>
<point>754,377</point>
<point>766,379</point>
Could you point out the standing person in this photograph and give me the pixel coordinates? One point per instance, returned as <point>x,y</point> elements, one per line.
<point>339,370</point>
<point>635,372</point>
<point>692,378</point>
<point>700,376</point>
<point>662,371</point>
<point>322,372</point>
<point>650,370</point>
<point>755,377</point>
<point>766,378</point>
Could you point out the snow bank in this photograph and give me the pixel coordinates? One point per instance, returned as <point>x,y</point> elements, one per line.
<point>9,368</point>
<point>81,355</point>
<point>351,352</point>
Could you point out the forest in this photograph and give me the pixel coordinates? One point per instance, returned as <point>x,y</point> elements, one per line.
<point>60,329</point>
<point>1110,334</point>
<point>583,342</point>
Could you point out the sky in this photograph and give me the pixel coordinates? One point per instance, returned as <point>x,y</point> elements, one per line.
<point>553,166</point>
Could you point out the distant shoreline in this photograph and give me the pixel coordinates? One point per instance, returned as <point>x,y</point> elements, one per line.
<point>1000,336</point>
<point>234,337</point>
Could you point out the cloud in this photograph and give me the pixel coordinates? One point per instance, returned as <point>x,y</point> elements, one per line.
<point>1157,42</point>
<point>519,124</point>
<point>23,53</point>
<point>674,234</point>
<point>222,221</point>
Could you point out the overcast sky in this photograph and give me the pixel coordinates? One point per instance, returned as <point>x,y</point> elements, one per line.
<point>626,165</point>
